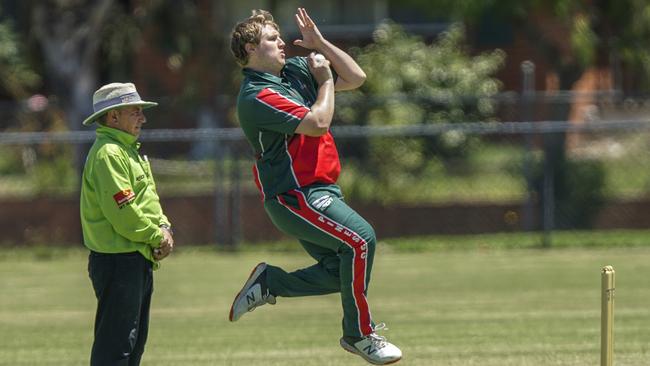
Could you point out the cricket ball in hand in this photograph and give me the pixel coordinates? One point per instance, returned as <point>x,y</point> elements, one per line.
<point>319,58</point>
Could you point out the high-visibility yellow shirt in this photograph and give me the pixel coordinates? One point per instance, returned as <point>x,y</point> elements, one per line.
<point>120,208</point>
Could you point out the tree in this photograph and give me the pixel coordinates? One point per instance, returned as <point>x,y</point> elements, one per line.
<point>69,34</point>
<point>16,75</point>
<point>591,33</point>
<point>410,82</point>
<point>189,37</point>
<point>84,43</point>
<point>598,30</point>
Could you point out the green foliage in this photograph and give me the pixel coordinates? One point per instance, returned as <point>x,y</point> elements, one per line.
<point>49,167</point>
<point>583,40</point>
<point>411,82</point>
<point>594,29</point>
<point>492,173</point>
<point>631,21</point>
<point>579,190</point>
<point>55,175</point>
<point>15,74</point>
<point>189,38</point>
<point>10,161</point>
<point>42,169</point>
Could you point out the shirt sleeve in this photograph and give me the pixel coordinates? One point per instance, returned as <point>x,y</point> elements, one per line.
<point>274,110</point>
<point>115,197</point>
<point>164,220</point>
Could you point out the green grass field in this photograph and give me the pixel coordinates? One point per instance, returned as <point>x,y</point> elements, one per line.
<point>475,306</point>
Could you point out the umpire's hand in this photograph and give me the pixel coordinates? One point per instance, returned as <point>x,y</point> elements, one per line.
<point>166,245</point>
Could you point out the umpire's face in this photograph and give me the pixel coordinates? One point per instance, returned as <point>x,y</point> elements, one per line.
<point>128,119</point>
<point>268,55</point>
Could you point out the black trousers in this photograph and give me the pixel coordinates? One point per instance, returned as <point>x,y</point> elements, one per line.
<point>123,285</point>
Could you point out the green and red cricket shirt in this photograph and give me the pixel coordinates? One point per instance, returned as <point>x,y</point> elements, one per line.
<point>120,208</point>
<point>270,108</point>
<point>296,175</point>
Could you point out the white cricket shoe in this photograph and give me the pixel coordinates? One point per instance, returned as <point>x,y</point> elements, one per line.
<point>374,349</point>
<point>254,293</point>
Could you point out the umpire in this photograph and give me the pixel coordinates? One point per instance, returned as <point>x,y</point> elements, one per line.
<point>123,226</point>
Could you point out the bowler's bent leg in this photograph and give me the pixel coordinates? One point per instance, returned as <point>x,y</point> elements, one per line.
<point>337,228</point>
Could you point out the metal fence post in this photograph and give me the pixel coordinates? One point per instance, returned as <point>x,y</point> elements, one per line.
<point>548,201</point>
<point>528,95</point>
<point>235,203</point>
<point>220,197</point>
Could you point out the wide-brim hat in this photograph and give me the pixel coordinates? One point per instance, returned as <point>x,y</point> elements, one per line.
<point>115,95</point>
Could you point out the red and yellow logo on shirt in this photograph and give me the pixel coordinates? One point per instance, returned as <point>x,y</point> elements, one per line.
<point>123,197</point>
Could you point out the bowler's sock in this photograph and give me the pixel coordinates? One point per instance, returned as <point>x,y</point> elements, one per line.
<point>351,340</point>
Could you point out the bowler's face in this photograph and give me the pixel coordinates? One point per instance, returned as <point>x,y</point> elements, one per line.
<point>270,51</point>
<point>130,120</point>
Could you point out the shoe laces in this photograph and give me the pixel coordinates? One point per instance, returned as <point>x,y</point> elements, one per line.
<point>377,340</point>
<point>380,326</point>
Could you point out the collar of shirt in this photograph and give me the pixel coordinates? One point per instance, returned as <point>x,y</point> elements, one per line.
<point>281,80</point>
<point>119,136</point>
<point>265,75</point>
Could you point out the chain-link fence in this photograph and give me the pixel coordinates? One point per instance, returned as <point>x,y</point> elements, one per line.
<point>592,172</point>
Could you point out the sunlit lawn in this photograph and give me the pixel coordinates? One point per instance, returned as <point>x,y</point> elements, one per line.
<point>477,306</point>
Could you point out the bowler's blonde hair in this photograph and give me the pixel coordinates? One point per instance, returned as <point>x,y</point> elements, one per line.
<point>249,31</point>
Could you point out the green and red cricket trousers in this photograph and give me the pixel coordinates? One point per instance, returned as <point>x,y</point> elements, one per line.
<point>341,242</point>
